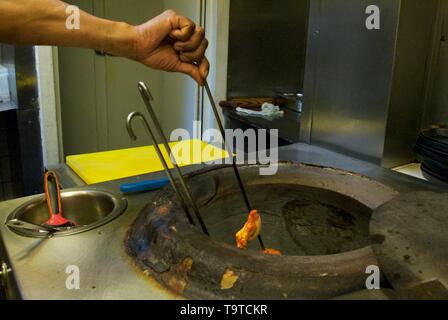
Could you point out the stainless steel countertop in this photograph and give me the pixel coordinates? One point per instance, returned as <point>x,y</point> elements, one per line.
<point>106,272</point>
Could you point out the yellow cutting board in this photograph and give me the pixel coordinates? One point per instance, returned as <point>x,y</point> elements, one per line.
<point>112,165</point>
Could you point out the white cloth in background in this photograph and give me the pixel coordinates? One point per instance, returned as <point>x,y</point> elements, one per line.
<point>267,110</point>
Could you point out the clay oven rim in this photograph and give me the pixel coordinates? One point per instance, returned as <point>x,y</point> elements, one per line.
<point>197,245</point>
<point>248,260</point>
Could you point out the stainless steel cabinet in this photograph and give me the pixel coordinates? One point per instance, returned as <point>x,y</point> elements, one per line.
<point>364,88</point>
<point>436,108</point>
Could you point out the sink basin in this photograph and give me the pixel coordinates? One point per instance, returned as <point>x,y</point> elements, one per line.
<point>89,208</point>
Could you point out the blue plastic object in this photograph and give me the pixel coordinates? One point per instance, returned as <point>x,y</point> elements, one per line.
<point>143,186</point>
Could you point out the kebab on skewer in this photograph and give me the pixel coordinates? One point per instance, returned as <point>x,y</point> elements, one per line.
<point>250,231</point>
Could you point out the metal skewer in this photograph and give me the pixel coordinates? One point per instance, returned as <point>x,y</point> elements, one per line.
<point>134,115</point>
<point>230,152</point>
<point>147,97</point>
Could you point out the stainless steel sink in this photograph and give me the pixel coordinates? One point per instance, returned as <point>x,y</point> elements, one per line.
<point>89,208</point>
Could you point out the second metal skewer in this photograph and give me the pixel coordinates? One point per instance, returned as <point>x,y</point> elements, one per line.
<point>135,115</point>
<point>230,152</point>
<point>147,97</point>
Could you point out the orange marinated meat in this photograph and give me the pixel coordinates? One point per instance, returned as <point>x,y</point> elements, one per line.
<point>273,252</point>
<point>250,231</point>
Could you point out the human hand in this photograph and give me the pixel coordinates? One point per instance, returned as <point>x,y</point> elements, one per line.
<point>173,43</point>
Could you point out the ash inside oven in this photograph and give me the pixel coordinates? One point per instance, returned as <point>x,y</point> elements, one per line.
<point>319,228</point>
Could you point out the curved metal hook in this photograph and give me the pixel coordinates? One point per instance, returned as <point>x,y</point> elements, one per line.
<point>147,97</point>
<point>131,133</point>
<point>131,117</point>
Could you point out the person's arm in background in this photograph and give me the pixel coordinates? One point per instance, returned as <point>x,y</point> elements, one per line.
<point>168,42</point>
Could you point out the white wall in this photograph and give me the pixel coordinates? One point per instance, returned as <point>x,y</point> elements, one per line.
<point>48,103</point>
<point>180,92</point>
<point>217,32</point>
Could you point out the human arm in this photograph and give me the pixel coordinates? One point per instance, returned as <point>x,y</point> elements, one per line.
<point>168,42</point>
